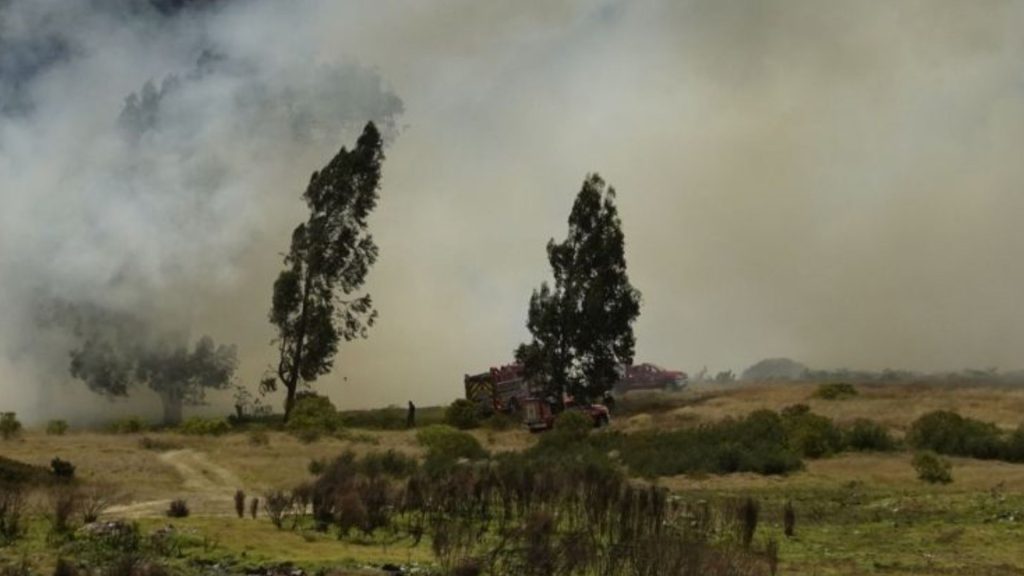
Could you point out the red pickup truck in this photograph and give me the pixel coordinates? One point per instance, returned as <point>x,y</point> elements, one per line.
<point>538,414</point>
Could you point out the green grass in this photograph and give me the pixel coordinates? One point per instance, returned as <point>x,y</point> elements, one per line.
<point>854,530</point>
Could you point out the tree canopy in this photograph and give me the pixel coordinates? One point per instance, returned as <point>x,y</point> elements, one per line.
<point>315,302</point>
<point>582,325</point>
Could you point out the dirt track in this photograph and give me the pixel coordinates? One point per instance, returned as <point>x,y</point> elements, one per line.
<point>207,487</point>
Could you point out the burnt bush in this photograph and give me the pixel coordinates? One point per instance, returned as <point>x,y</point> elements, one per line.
<point>62,469</point>
<point>178,509</point>
<point>789,519</point>
<point>240,503</point>
<point>65,501</point>
<point>12,514</point>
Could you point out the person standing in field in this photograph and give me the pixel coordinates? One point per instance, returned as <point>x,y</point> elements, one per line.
<point>410,416</point>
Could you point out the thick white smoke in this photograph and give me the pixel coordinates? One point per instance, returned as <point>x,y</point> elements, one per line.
<point>142,157</point>
<point>834,182</point>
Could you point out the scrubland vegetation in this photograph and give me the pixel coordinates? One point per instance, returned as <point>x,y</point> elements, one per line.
<point>785,489</point>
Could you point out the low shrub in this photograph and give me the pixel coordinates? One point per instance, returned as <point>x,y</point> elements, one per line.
<point>15,473</point>
<point>56,427</point>
<point>276,503</point>
<point>64,502</point>
<point>1013,450</point>
<point>462,414</point>
<point>756,443</point>
<point>868,436</point>
<point>446,445</point>
<point>500,422</point>
<point>789,519</point>
<point>835,391</point>
<point>391,463</point>
<point>130,425</point>
<point>198,426</point>
<point>313,416</point>
<point>932,468</point>
<point>809,434</point>
<point>12,513</point>
<point>159,444</point>
<point>178,509</point>
<point>62,469</point>
<point>258,437</point>
<point>10,427</point>
<point>947,432</point>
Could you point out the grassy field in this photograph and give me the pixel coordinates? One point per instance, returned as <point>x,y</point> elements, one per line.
<point>857,513</point>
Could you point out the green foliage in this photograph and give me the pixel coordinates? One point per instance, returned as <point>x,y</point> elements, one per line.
<point>462,414</point>
<point>1013,450</point>
<point>314,307</point>
<point>572,427</point>
<point>757,443</point>
<point>835,391</point>
<point>392,417</point>
<point>130,425</point>
<point>947,432</point>
<point>57,427</point>
<point>10,427</point>
<point>809,434</point>
<point>932,468</point>
<point>390,463</point>
<point>868,436</point>
<point>118,351</point>
<point>499,422</point>
<point>312,417</point>
<point>197,426</point>
<point>582,325</point>
<point>446,445</point>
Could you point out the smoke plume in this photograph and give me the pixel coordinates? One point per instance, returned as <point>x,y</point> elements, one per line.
<point>832,182</point>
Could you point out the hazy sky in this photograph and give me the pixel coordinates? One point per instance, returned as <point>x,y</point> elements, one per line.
<point>838,182</point>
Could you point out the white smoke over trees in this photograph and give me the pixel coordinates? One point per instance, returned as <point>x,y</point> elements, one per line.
<point>833,182</point>
<point>140,160</point>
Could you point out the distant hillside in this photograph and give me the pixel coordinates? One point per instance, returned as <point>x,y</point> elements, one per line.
<point>775,369</point>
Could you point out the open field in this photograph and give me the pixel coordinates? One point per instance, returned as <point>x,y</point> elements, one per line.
<point>857,513</point>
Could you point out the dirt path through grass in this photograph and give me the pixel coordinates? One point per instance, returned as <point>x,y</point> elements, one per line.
<point>207,487</point>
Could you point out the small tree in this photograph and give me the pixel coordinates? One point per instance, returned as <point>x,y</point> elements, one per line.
<point>932,468</point>
<point>10,427</point>
<point>582,325</point>
<point>314,303</point>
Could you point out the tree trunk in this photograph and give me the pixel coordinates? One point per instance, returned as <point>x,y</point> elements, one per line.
<point>172,407</point>
<point>289,401</point>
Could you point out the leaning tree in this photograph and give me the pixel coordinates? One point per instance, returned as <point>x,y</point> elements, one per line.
<point>582,325</point>
<point>316,303</point>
